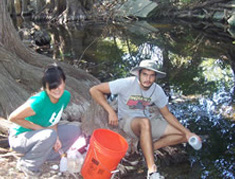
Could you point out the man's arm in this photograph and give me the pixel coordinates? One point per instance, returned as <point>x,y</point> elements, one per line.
<point>98,93</point>
<point>171,119</point>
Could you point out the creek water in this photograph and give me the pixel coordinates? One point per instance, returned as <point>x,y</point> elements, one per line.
<point>199,82</point>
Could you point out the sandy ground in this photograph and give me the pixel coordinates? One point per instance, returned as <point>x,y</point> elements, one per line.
<point>8,170</point>
<point>8,160</point>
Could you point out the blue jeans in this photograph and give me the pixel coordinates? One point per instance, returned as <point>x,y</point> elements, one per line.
<point>37,145</point>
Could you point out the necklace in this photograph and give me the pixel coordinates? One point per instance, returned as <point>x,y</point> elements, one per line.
<point>149,88</point>
<point>145,108</point>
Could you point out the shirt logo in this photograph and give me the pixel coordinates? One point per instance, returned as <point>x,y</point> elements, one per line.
<point>55,119</point>
<point>138,102</point>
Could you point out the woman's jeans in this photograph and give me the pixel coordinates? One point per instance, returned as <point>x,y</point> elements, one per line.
<point>37,145</point>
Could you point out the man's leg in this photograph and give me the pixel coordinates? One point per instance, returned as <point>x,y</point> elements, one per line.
<point>142,128</point>
<point>171,136</point>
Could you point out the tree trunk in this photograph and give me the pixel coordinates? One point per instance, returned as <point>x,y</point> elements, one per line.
<point>22,69</point>
<point>4,125</point>
<point>64,11</point>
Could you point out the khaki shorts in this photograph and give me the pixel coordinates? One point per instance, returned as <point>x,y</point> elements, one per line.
<point>158,127</point>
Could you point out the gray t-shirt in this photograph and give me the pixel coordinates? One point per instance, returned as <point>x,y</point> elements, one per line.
<point>134,101</point>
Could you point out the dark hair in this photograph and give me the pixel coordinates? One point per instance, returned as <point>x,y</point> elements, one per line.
<point>53,76</point>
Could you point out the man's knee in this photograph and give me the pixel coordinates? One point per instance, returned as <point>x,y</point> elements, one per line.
<point>140,124</point>
<point>145,124</point>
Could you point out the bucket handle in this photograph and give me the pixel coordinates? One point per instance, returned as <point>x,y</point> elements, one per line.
<point>113,172</point>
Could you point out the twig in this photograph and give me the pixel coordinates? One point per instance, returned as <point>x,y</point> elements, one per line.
<point>86,49</point>
<point>11,154</point>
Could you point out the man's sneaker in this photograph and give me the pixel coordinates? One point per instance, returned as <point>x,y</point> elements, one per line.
<point>28,173</point>
<point>155,175</point>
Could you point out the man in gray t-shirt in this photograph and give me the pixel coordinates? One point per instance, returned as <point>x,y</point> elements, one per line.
<point>134,101</point>
<point>137,96</point>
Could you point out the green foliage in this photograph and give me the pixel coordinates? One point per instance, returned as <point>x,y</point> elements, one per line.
<point>186,1</point>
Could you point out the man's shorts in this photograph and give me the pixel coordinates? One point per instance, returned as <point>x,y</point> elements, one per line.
<point>158,124</point>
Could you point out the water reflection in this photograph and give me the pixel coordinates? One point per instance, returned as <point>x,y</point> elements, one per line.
<point>200,79</point>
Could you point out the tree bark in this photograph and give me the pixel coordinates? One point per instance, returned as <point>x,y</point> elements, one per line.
<point>64,11</point>
<point>22,69</point>
<point>4,125</point>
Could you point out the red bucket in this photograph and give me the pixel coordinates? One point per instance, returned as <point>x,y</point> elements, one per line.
<point>106,150</point>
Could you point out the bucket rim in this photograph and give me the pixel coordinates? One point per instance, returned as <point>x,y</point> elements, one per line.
<point>125,146</point>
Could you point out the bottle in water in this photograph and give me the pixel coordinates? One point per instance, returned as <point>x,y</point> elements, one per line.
<point>195,143</point>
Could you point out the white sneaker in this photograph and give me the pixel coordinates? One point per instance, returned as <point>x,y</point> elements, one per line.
<point>155,175</point>
<point>28,173</point>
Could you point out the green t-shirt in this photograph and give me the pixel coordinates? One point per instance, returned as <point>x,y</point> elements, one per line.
<point>47,113</point>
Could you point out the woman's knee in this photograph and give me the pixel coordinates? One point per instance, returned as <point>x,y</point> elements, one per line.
<point>49,135</point>
<point>69,131</point>
<point>75,130</point>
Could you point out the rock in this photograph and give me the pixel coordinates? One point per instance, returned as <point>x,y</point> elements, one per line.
<point>137,8</point>
<point>141,28</point>
<point>218,16</point>
<point>231,20</point>
<point>231,31</point>
<point>42,38</point>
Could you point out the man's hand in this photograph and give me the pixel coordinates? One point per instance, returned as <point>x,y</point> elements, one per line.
<point>190,134</point>
<point>113,119</point>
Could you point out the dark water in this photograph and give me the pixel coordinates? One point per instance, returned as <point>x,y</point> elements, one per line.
<point>200,68</point>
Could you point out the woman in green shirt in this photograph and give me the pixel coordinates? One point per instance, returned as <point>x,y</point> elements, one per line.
<point>36,132</point>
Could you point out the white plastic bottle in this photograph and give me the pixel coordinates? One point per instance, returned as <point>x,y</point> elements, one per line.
<point>63,163</point>
<point>75,161</point>
<point>195,143</point>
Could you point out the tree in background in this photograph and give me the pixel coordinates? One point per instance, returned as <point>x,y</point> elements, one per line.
<point>21,72</point>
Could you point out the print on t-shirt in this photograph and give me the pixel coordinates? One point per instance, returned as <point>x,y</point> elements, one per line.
<point>55,119</point>
<point>138,102</point>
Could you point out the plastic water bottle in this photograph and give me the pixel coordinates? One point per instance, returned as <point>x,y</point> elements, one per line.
<point>63,161</point>
<point>63,164</point>
<point>195,143</point>
<point>75,161</point>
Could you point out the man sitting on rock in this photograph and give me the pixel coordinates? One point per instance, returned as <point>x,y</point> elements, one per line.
<point>136,96</point>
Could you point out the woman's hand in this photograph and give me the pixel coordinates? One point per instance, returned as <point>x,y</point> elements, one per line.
<point>57,145</point>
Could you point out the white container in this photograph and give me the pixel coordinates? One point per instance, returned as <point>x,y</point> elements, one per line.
<point>75,161</point>
<point>195,143</point>
<point>63,164</point>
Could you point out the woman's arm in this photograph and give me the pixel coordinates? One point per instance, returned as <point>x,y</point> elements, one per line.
<point>58,143</point>
<point>18,116</point>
